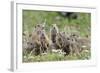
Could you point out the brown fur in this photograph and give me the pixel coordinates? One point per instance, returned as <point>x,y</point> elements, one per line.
<point>54,32</point>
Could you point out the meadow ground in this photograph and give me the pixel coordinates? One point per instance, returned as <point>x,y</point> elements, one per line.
<point>81,25</point>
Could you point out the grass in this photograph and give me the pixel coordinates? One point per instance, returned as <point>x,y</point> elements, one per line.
<point>32,18</point>
<point>56,57</point>
<point>81,25</point>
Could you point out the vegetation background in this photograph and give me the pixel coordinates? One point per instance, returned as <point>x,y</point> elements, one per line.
<point>81,25</point>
